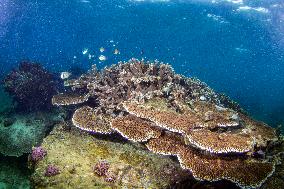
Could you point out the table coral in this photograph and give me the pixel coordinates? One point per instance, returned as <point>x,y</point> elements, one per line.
<point>174,115</point>
<point>87,119</point>
<point>68,99</point>
<point>135,129</point>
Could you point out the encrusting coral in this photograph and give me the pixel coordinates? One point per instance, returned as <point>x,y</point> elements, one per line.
<point>174,115</point>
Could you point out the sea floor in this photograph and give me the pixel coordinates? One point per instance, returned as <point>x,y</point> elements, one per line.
<point>14,173</point>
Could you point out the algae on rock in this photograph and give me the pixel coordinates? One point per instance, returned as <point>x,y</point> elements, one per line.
<point>75,153</point>
<point>27,131</point>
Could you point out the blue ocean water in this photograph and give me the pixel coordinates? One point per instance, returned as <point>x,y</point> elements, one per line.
<point>235,46</point>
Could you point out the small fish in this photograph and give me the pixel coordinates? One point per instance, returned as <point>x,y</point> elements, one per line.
<point>85,51</point>
<point>90,56</point>
<point>102,49</point>
<point>102,58</point>
<point>65,75</point>
<point>116,51</point>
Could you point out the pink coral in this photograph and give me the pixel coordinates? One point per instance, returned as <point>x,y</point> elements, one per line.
<point>51,170</point>
<point>38,153</point>
<point>101,168</point>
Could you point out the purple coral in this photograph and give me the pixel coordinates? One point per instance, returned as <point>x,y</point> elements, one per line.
<point>51,170</point>
<point>110,177</point>
<point>31,86</point>
<point>38,153</point>
<point>101,168</point>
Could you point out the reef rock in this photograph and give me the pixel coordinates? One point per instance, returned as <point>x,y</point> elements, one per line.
<point>75,154</point>
<point>27,131</point>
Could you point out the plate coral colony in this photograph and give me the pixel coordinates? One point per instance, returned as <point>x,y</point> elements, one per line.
<point>148,103</point>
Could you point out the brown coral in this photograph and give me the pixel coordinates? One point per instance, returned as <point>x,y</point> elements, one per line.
<point>211,167</point>
<point>262,133</point>
<point>223,142</point>
<point>173,115</point>
<point>167,144</point>
<point>135,129</point>
<point>87,119</point>
<point>68,99</point>
<point>216,116</point>
<point>197,115</point>
<point>192,124</point>
<point>163,116</point>
<point>248,173</point>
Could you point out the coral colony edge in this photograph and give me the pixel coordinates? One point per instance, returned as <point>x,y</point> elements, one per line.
<point>148,103</point>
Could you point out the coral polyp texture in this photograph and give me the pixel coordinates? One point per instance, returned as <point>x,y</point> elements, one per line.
<point>174,115</point>
<point>135,129</point>
<point>211,167</point>
<point>87,119</point>
<point>67,99</point>
<point>38,153</point>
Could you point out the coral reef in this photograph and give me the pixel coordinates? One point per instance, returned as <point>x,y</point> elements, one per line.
<point>68,99</point>
<point>87,119</point>
<point>101,168</point>
<point>137,80</point>
<point>31,86</point>
<point>276,180</point>
<point>211,167</point>
<point>135,129</point>
<point>76,153</point>
<point>27,131</point>
<point>38,154</point>
<point>147,102</point>
<point>51,170</point>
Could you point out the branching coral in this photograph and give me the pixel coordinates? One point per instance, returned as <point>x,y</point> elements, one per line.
<point>138,80</point>
<point>31,86</point>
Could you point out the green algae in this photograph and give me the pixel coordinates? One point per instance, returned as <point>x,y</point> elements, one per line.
<point>132,158</point>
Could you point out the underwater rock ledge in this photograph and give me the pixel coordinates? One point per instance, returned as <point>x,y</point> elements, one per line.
<point>75,154</point>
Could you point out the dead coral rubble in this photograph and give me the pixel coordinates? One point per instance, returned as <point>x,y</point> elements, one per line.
<point>174,115</point>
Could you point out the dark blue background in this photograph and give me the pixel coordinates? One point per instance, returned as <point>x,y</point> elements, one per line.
<point>238,53</point>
